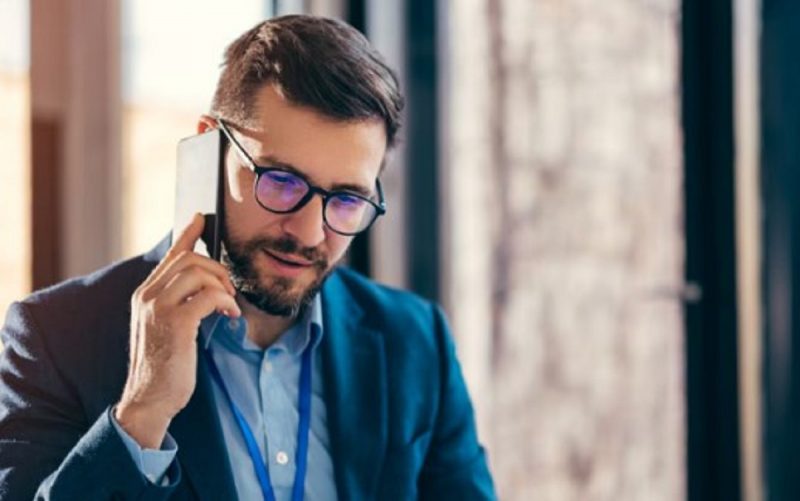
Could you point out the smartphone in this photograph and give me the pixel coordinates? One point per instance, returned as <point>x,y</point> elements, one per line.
<point>199,184</point>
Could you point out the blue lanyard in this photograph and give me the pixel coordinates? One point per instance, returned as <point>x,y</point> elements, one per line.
<point>303,427</point>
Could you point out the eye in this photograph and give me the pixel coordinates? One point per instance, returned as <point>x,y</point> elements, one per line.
<point>281,178</point>
<point>345,201</point>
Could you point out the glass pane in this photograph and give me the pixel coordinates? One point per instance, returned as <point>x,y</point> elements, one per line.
<point>567,312</point>
<point>171,57</point>
<point>15,151</point>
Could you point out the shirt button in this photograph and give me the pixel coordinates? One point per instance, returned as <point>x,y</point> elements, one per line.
<point>282,458</point>
<point>267,367</point>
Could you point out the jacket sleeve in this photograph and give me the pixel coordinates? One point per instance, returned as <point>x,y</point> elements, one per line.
<point>49,448</point>
<point>455,465</point>
<point>153,463</point>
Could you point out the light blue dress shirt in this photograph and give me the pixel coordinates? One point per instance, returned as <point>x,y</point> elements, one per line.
<point>264,385</point>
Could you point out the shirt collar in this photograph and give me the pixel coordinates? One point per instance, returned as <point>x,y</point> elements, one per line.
<point>233,332</point>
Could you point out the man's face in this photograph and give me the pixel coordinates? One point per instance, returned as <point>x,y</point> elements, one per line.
<point>279,261</point>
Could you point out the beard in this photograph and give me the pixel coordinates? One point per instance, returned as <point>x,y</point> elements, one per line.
<point>273,295</point>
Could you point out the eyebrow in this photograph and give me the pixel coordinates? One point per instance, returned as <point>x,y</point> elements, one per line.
<point>270,160</point>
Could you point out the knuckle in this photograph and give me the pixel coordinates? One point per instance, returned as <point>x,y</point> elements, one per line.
<point>196,271</point>
<point>145,295</point>
<point>203,294</point>
<point>141,295</point>
<point>157,306</point>
<point>213,296</point>
<point>186,256</point>
<point>195,257</point>
<point>183,255</point>
<point>189,269</point>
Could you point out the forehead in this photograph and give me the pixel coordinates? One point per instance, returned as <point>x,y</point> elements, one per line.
<point>327,151</point>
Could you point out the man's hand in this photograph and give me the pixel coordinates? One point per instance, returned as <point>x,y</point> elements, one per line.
<point>166,311</point>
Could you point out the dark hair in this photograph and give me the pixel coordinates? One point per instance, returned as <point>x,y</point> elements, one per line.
<point>317,62</point>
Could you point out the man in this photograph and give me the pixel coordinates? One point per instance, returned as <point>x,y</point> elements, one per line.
<point>272,374</point>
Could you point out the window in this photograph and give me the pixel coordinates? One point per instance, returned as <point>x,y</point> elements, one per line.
<point>14,147</point>
<point>168,78</point>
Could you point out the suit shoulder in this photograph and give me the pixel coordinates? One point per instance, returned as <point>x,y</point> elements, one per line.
<point>97,291</point>
<point>104,286</point>
<point>375,297</point>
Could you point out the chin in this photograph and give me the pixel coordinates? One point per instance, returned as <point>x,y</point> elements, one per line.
<point>282,297</point>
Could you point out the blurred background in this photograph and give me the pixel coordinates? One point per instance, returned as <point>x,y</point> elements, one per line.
<point>601,194</point>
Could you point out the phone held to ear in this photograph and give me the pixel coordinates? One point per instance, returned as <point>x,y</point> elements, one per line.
<point>198,188</point>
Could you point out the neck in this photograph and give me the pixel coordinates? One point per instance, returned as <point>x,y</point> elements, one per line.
<point>263,329</point>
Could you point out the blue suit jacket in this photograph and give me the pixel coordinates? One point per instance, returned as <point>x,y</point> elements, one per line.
<point>399,417</point>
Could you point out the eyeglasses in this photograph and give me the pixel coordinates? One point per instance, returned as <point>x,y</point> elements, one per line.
<point>282,192</point>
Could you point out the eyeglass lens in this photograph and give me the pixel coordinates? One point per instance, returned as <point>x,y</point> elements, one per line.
<point>282,191</point>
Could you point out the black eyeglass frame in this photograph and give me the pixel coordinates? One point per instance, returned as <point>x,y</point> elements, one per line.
<point>258,170</point>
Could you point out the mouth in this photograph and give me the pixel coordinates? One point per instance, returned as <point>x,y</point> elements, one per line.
<point>285,264</point>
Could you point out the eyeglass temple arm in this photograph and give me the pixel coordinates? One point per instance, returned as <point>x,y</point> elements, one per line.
<point>381,199</point>
<point>238,147</point>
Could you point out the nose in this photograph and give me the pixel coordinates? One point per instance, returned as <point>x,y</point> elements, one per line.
<point>307,224</point>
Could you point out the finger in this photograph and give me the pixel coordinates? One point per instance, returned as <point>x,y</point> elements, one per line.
<point>187,284</point>
<point>183,242</point>
<point>184,262</point>
<point>208,301</point>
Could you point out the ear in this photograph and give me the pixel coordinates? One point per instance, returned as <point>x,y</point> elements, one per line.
<point>206,123</point>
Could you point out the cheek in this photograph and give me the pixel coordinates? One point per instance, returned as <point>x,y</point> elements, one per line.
<point>337,245</point>
<point>240,206</point>
<point>244,218</point>
<point>239,181</point>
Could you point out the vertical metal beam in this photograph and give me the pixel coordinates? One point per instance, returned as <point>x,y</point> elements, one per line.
<point>748,244</point>
<point>422,155</point>
<point>466,91</point>
<point>711,323</point>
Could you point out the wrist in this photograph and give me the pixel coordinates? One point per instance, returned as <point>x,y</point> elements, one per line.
<point>146,426</point>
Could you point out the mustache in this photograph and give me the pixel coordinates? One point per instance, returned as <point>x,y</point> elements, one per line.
<point>289,246</point>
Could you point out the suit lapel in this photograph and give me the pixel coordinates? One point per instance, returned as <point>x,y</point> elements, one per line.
<point>354,372</point>
<point>201,446</point>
